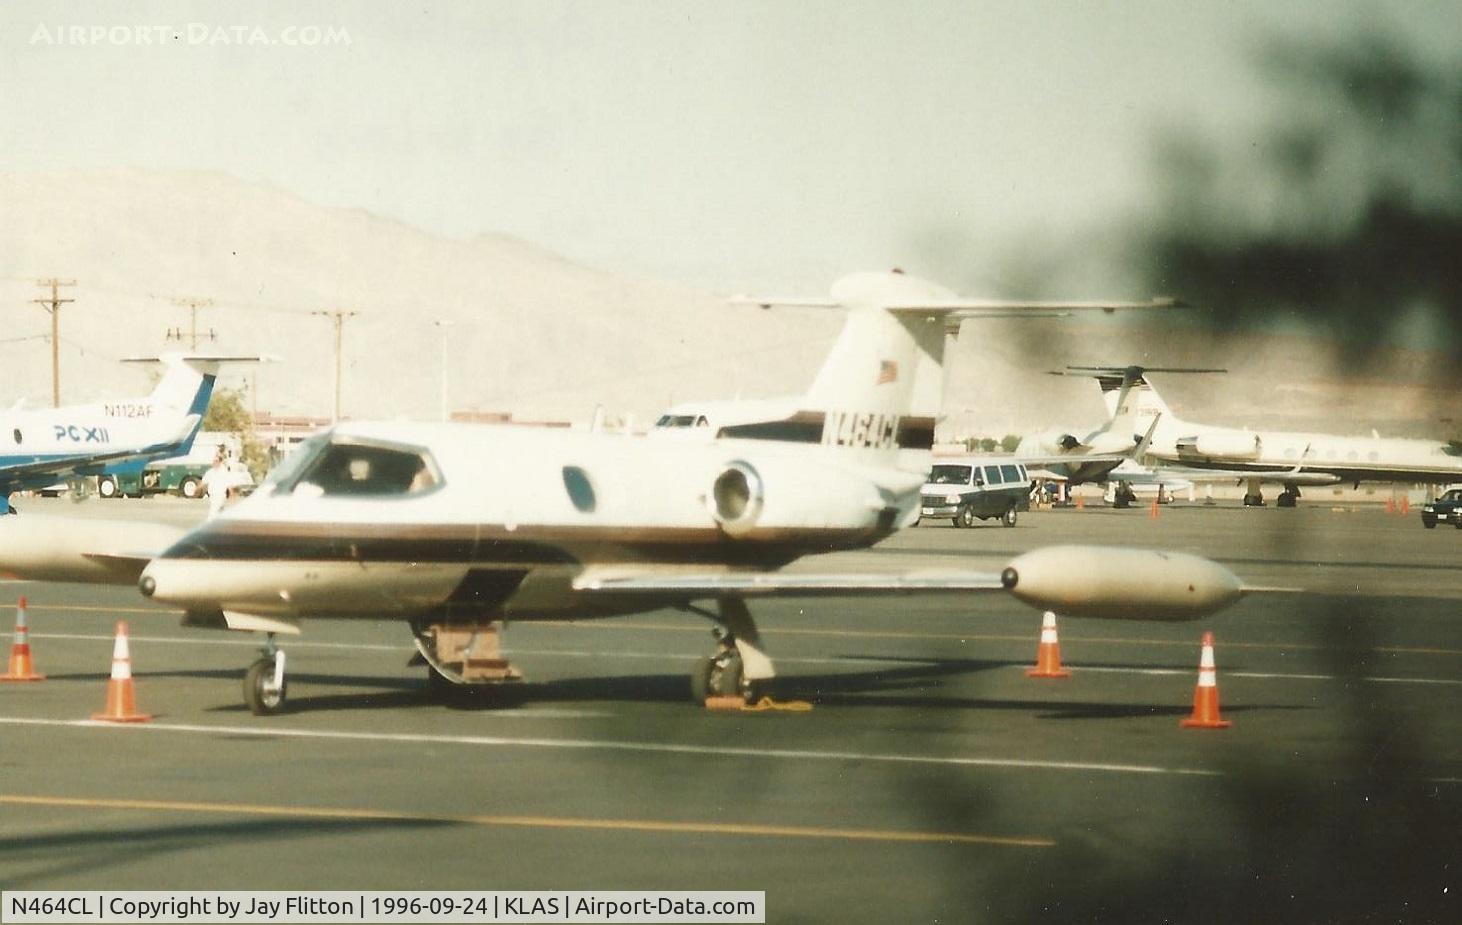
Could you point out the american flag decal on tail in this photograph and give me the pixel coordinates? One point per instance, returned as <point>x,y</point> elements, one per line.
<point>888,371</point>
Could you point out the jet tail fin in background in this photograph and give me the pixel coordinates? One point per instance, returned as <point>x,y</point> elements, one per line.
<point>887,365</point>
<point>1119,382</point>
<point>186,389</point>
<point>187,385</point>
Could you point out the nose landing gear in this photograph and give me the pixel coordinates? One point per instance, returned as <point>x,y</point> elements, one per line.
<point>265,687</point>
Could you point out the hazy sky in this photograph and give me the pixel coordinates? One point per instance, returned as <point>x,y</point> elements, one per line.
<point>721,144</point>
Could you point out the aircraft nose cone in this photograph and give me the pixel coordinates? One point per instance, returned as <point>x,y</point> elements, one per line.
<point>147,585</point>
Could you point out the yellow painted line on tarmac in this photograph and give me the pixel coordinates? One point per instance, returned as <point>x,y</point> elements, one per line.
<point>658,826</point>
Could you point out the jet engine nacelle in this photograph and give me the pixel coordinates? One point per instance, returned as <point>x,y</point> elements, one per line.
<point>766,494</point>
<point>1124,584</point>
<point>1221,446</point>
<point>736,497</point>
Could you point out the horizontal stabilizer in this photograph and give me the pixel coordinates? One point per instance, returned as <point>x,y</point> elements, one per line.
<point>200,358</point>
<point>1101,372</point>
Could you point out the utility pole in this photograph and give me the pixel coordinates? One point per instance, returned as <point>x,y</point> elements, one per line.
<point>192,305</point>
<point>443,326</point>
<point>338,316</point>
<point>53,305</point>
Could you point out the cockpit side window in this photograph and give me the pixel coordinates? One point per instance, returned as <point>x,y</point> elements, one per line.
<point>345,468</point>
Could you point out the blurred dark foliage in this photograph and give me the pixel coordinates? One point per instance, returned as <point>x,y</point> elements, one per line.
<point>1343,210</point>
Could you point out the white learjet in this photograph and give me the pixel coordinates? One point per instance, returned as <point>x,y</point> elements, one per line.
<point>455,528</point>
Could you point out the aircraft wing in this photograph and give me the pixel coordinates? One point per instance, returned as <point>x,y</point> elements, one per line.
<point>1024,309</point>
<point>778,584</point>
<point>1076,581</point>
<point>63,466</point>
<point>1235,475</point>
<point>974,308</point>
<point>1072,458</point>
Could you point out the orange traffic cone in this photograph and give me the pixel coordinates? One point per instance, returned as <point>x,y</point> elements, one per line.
<point>1205,694</point>
<point>1153,512</point>
<point>121,698</point>
<point>1390,505</point>
<point>1080,503</point>
<point>1405,506</point>
<point>21,668</point>
<point>1048,653</point>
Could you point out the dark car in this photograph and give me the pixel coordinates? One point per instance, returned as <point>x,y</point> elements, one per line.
<point>1445,510</point>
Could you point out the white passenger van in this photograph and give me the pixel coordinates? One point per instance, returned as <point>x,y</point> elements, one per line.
<point>970,488</point>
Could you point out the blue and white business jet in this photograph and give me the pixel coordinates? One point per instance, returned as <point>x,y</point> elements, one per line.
<point>44,446</point>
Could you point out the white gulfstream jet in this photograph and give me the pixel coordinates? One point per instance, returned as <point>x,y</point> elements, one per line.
<point>452,529</point>
<point>1092,458</point>
<point>1290,459</point>
<point>43,447</point>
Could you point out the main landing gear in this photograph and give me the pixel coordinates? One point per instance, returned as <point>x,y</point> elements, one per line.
<point>739,664</point>
<point>1254,497</point>
<point>265,687</point>
<point>461,655</point>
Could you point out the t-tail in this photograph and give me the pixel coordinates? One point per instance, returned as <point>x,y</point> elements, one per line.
<point>881,387</point>
<point>1131,398</point>
<point>184,392</point>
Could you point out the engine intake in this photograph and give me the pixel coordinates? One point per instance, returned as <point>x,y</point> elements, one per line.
<point>735,498</point>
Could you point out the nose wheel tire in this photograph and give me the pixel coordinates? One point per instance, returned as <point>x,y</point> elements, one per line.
<point>262,696</point>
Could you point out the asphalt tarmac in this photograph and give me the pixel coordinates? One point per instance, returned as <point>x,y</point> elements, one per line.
<point>931,780</point>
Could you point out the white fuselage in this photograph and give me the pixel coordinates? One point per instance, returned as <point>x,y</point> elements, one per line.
<point>1349,459</point>
<point>515,516</point>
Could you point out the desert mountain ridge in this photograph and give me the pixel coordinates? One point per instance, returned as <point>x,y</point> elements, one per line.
<point>533,333</point>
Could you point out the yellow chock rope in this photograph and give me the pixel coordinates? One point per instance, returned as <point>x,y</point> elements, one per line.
<point>768,705</point>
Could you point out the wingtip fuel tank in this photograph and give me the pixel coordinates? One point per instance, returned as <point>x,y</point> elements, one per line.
<point>1130,584</point>
<point>46,548</point>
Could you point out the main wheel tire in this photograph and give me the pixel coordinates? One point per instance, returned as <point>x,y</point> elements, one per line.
<point>965,517</point>
<point>1009,517</point>
<point>260,694</point>
<point>106,487</point>
<point>716,675</point>
<point>190,487</point>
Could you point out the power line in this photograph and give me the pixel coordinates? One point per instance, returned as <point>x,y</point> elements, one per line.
<point>338,317</point>
<point>53,305</point>
<point>192,304</point>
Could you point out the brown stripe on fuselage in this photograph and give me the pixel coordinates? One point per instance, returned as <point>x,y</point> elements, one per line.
<point>496,544</point>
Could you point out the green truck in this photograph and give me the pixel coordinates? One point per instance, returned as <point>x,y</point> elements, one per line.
<point>179,475</point>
